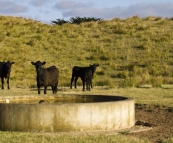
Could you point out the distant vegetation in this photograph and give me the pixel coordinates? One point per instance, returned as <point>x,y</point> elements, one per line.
<point>131,52</point>
<point>75,20</point>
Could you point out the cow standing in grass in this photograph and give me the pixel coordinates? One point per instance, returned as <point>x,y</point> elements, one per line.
<point>46,76</point>
<point>5,69</point>
<point>77,72</point>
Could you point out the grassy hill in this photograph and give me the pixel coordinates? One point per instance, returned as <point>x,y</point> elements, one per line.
<point>130,52</point>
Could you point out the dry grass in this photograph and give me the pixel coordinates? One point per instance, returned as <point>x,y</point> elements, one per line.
<point>117,45</point>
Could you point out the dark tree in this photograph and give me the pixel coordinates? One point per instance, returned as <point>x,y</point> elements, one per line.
<point>76,20</point>
<point>60,21</point>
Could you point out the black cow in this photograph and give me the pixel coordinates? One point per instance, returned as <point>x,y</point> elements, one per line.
<point>46,77</point>
<point>5,69</point>
<point>76,72</point>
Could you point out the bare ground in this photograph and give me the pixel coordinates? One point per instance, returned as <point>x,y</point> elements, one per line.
<point>160,119</point>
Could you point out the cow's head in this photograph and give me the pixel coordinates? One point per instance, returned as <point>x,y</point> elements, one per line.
<point>93,67</point>
<point>38,65</point>
<point>7,67</point>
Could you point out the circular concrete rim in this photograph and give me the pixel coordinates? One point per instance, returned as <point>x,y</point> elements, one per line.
<point>69,117</point>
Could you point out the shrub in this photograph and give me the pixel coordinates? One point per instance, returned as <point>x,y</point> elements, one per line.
<point>157,81</point>
<point>126,83</point>
<point>104,82</point>
<point>2,37</point>
<point>100,73</point>
<point>31,42</point>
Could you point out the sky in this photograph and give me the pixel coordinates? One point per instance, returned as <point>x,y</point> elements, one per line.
<point>50,10</point>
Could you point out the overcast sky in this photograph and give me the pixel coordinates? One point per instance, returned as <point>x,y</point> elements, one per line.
<point>48,10</point>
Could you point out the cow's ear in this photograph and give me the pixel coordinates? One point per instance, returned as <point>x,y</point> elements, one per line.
<point>32,63</point>
<point>12,62</point>
<point>43,63</point>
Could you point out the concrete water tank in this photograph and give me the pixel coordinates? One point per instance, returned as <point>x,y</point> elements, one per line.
<point>69,113</point>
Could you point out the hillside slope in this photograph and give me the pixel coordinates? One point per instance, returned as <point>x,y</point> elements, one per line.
<point>130,52</point>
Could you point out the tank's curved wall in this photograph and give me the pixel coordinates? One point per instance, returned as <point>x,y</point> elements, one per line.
<point>112,115</point>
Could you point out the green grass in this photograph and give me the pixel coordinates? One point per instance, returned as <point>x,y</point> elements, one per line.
<point>18,137</point>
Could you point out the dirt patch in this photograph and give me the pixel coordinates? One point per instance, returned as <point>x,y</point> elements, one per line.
<point>159,119</point>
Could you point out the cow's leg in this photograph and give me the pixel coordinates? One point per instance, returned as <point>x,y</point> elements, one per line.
<point>88,84</point>
<point>38,86</point>
<point>53,89</point>
<point>45,89</point>
<point>88,88</point>
<point>91,83</point>
<point>8,83</point>
<point>75,80</point>
<point>2,81</point>
<point>72,78</point>
<point>83,81</point>
<point>56,88</point>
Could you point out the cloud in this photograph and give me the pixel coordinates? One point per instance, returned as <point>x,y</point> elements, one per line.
<point>150,9</point>
<point>8,7</point>
<point>66,5</point>
<point>38,3</point>
<point>89,12</point>
<point>73,9</point>
<point>44,11</point>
